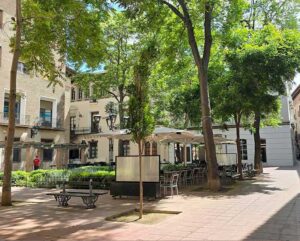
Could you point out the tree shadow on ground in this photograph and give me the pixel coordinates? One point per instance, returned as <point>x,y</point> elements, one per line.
<point>42,219</point>
<point>259,184</point>
<point>284,225</point>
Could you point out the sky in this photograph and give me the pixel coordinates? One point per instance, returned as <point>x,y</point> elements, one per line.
<point>297,82</point>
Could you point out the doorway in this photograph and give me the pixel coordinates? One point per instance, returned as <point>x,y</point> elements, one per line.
<point>263,150</point>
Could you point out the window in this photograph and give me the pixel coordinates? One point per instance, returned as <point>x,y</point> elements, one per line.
<point>93,149</point>
<point>47,152</point>
<point>79,94</point>
<point>73,94</point>
<point>17,155</point>
<point>125,148</point>
<point>17,108</point>
<point>46,113</point>
<point>16,151</point>
<point>154,148</point>
<point>72,123</point>
<point>147,148</point>
<point>244,152</point>
<point>1,18</point>
<point>22,68</point>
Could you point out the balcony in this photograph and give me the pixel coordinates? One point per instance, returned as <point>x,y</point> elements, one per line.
<point>19,119</point>
<point>51,123</point>
<point>84,130</point>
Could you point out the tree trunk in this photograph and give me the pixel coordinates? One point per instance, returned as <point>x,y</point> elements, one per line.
<point>237,119</point>
<point>257,144</point>
<point>6,188</point>
<point>202,67</point>
<point>141,178</point>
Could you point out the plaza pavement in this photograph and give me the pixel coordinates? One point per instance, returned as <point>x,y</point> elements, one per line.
<point>267,208</point>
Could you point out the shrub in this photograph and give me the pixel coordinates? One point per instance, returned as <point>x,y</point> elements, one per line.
<point>50,178</point>
<point>19,178</point>
<point>102,179</point>
<point>173,167</point>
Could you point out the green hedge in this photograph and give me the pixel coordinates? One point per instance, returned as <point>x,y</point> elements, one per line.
<point>177,167</point>
<point>50,178</point>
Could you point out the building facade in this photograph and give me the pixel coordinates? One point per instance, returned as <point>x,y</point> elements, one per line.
<point>84,111</point>
<point>277,143</point>
<point>42,112</point>
<point>296,117</point>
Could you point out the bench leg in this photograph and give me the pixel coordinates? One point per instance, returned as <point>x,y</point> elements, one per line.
<point>90,201</point>
<point>62,200</point>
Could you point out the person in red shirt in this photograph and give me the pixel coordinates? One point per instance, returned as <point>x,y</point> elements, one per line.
<point>36,163</point>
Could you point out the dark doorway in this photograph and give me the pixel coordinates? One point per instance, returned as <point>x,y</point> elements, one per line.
<point>263,150</point>
<point>74,154</point>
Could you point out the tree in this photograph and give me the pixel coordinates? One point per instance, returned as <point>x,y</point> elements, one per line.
<point>141,119</point>
<point>266,58</point>
<point>190,14</point>
<point>260,13</point>
<point>183,106</point>
<point>230,102</point>
<point>6,187</point>
<point>46,34</point>
<point>120,41</point>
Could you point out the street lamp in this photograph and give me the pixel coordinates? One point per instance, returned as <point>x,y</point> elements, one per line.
<point>111,119</point>
<point>125,122</point>
<point>34,130</point>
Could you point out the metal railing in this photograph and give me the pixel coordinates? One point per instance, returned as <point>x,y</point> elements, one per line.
<point>20,119</point>
<point>51,122</point>
<point>85,130</point>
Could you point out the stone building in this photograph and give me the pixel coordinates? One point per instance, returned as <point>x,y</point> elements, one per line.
<point>42,112</point>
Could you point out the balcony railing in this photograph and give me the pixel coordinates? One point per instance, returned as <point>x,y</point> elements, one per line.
<point>19,119</point>
<point>51,122</point>
<point>84,130</point>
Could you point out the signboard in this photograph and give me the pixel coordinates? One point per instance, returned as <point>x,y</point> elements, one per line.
<point>127,168</point>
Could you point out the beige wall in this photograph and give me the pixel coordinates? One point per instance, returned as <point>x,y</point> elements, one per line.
<point>82,111</point>
<point>32,89</point>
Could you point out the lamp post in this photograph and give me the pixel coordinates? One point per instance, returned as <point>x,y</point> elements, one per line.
<point>111,119</point>
<point>125,122</point>
<point>34,130</point>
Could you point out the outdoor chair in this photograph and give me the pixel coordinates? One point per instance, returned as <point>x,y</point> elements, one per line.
<point>171,183</point>
<point>196,176</point>
<point>201,174</point>
<point>190,177</point>
<point>182,178</point>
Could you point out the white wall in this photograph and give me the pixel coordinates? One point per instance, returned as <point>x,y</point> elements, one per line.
<point>279,145</point>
